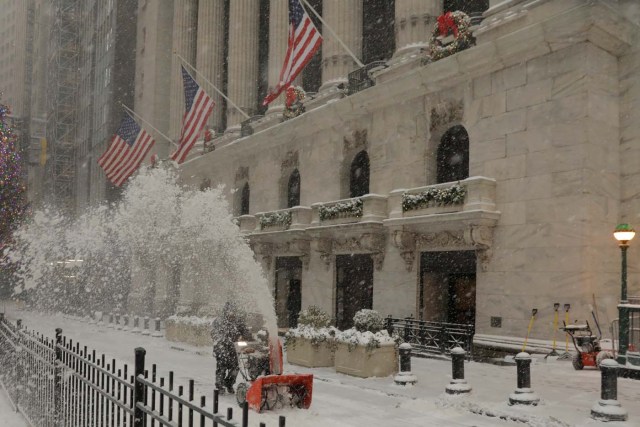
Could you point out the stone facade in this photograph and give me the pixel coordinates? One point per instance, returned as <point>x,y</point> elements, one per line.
<point>547,98</point>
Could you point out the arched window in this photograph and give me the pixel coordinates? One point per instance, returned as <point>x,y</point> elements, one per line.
<point>453,155</point>
<point>244,200</point>
<point>359,176</point>
<point>293,189</point>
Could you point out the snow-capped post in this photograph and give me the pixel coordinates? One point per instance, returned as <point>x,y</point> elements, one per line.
<point>136,325</point>
<point>216,394</point>
<point>245,414</point>
<point>118,325</point>
<point>405,376</point>
<point>281,421</point>
<point>458,384</point>
<point>111,321</point>
<point>138,387</point>
<point>608,408</point>
<point>157,333</point>
<point>146,331</point>
<point>125,320</point>
<point>57,378</point>
<point>523,395</point>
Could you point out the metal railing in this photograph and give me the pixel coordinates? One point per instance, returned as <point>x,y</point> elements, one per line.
<point>432,337</point>
<point>360,79</point>
<point>55,382</point>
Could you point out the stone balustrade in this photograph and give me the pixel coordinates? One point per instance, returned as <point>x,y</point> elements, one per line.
<point>367,208</point>
<point>480,195</point>
<point>295,218</point>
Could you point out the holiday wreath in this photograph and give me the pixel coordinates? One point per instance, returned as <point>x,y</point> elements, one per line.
<point>457,23</point>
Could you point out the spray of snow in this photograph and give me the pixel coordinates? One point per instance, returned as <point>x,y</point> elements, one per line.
<point>124,257</point>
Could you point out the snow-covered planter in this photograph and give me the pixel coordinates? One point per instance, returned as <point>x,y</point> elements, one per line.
<point>275,219</point>
<point>349,209</point>
<point>366,350</point>
<point>434,197</point>
<point>312,343</point>
<point>189,329</point>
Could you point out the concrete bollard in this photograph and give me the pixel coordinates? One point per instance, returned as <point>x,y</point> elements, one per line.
<point>458,384</point>
<point>405,376</point>
<point>608,408</point>
<point>145,330</point>
<point>157,333</point>
<point>136,325</point>
<point>523,395</point>
<point>125,322</point>
<point>118,325</point>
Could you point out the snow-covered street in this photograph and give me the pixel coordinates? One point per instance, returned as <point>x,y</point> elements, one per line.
<point>8,415</point>
<point>341,400</point>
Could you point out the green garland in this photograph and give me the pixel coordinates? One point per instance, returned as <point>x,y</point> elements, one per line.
<point>353,207</point>
<point>433,196</point>
<point>275,218</point>
<point>463,41</point>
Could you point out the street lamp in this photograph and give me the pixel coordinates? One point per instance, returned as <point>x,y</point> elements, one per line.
<point>623,234</point>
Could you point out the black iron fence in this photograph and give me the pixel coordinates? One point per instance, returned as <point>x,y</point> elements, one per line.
<point>56,382</point>
<point>432,337</point>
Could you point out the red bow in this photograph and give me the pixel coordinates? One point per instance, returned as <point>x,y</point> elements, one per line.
<point>290,96</point>
<point>446,23</point>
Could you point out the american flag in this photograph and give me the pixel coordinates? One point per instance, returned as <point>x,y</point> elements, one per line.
<point>304,41</point>
<point>128,148</point>
<point>198,106</point>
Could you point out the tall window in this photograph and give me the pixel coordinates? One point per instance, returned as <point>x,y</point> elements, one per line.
<point>378,26</point>
<point>453,155</point>
<point>359,176</point>
<point>244,200</point>
<point>293,189</point>
<point>312,73</point>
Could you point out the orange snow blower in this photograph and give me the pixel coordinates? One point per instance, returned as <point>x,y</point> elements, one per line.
<point>265,386</point>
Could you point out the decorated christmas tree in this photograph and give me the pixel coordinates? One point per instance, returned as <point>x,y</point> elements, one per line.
<point>13,201</point>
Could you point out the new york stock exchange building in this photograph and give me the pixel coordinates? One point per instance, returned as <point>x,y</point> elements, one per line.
<point>468,178</point>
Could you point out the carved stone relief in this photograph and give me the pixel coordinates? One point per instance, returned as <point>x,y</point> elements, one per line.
<point>367,243</point>
<point>445,112</point>
<point>290,160</point>
<point>356,143</point>
<point>242,174</point>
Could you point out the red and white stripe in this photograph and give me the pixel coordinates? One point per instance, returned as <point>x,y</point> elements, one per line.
<point>120,161</point>
<point>192,124</point>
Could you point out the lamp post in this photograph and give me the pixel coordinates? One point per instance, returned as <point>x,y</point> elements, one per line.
<point>623,234</point>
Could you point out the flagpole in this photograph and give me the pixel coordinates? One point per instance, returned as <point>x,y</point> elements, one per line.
<point>212,85</point>
<point>129,110</point>
<point>324,24</point>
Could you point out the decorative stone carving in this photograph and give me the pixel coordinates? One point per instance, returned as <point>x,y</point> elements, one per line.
<point>450,239</point>
<point>356,143</point>
<point>446,112</point>
<point>242,173</point>
<point>406,244</point>
<point>324,247</point>
<point>264,251</point>
<point>290,161</point>
<point>484,256</point>
<point>479,236</point>
<point>296,247</point>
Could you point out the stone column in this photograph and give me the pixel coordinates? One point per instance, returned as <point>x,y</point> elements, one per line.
<point>243,60</point>
<point>414,24</point>
<point>185,22</point>
<point>210,52</point>
<point>278,36</point>
<point>345,17</point>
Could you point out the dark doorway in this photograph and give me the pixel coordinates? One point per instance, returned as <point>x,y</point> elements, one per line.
<point>448,287</point>
<point>288,295</point>
<point>453,155</point>
<point>354,287</point>
<point>293,189</point>
<point>359,175</point>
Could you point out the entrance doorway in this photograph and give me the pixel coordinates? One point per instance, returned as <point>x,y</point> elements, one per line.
<point>448,287</point>
<point>354,287</point>
<point>288,295</point>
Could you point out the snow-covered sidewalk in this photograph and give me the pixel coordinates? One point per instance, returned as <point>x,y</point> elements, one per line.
<point>8,416</point>
<point>341,400</point>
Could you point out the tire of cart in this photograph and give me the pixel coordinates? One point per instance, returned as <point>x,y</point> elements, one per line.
<point>576,361</point>
<point>241,393</point>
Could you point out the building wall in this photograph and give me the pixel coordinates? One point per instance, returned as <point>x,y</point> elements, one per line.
<point>541,102</point>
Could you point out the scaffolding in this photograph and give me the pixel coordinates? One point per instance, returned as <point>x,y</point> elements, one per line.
<point>62,92</point>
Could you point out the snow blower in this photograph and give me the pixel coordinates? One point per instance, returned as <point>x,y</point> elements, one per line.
<point>265,387</point>
<point>589,352</point>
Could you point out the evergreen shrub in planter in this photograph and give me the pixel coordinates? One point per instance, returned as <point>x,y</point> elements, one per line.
<point>312,343</point>
<point>366,350</point>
